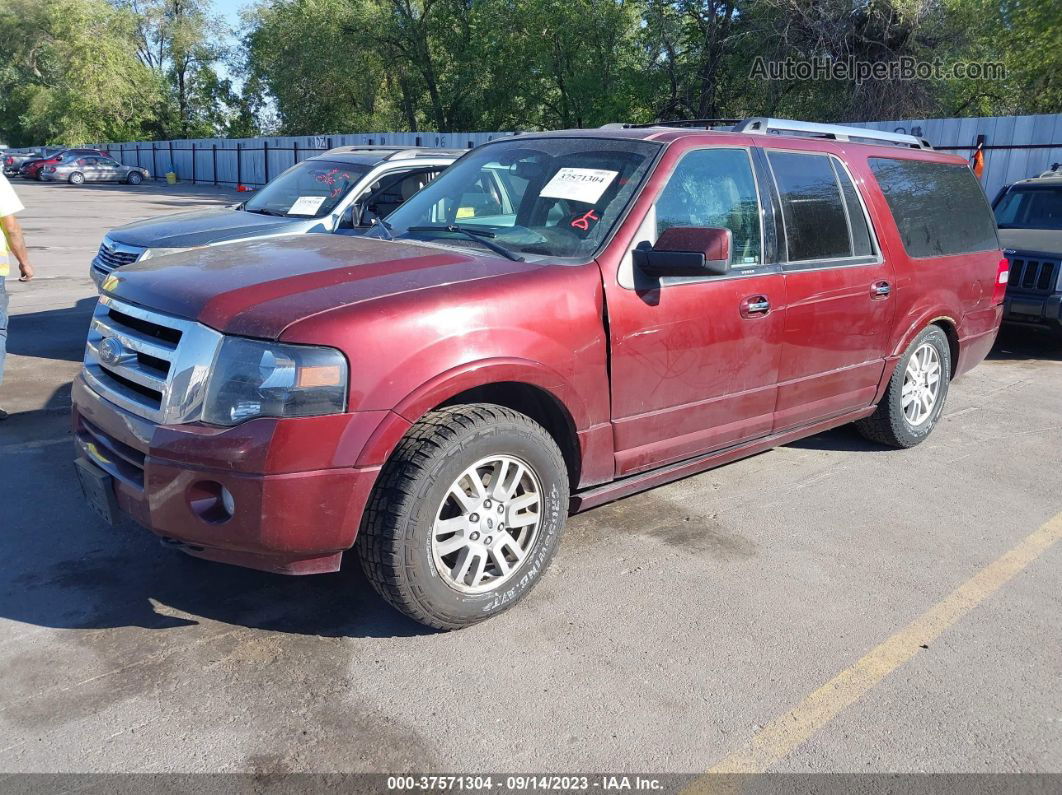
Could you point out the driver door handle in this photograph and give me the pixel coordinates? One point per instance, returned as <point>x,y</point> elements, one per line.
<point>880,289</point>
<point>755,306</point>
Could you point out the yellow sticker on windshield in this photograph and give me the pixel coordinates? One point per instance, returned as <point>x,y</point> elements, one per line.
<point>466,212</point>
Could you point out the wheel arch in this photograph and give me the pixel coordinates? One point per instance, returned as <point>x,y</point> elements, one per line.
<point>527,387</point>
<point>944,321</point>
<point>947,325</point>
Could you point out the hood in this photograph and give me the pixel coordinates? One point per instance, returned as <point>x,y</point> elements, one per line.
<point>201,227</point>
<point>1032,241</point>
<point>258,288</point>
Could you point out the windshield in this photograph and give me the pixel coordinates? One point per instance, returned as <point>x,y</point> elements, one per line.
<point>1030,208</point>
<point>550,197</point>
<point>309,189</point>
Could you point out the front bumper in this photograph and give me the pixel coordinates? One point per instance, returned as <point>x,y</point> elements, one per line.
<point>298,496</point>
<point>97,276</point>
<point>1037,310</point>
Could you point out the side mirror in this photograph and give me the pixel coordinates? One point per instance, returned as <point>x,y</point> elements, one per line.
<point>687,251</point>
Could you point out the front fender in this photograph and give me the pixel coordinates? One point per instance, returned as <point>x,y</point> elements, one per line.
<point>459,379</point>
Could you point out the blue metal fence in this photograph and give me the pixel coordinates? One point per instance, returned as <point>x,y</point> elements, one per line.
<point>1015,147</point>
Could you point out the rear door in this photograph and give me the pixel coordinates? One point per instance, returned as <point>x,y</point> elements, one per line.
<point>695,359</point>
<point>837,285</point>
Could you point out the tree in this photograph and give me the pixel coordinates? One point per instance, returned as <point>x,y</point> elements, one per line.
<point>180,41</point>
<point>68,75</point>
<point>315,60</point>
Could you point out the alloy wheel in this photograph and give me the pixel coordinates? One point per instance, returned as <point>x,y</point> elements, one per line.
<point>921,384</point>
<point>487,524</point>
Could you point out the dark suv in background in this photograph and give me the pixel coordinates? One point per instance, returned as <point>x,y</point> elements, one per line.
<point>1029,215</point>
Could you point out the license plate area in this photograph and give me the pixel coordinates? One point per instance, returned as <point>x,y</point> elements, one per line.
<point>98,488</point>
<point>1030,308</point>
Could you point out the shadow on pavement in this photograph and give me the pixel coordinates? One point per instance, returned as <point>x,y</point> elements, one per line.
<point>1019,343</point>
<point>65,569</point>
<point>846,438</point>
<point>52,333</point>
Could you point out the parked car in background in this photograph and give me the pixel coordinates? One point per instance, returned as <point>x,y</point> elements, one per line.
<point>342,191</point>
<point>93,168</point>
<point>557,321</point>
<point>31,169</point>
<point>1029,214</point>
<point>13,159</point>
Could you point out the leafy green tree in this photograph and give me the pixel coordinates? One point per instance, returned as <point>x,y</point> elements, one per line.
<point>68,75</point>
<point>316,62</point>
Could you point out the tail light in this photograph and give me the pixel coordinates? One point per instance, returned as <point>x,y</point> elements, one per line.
<point>1002,275</point>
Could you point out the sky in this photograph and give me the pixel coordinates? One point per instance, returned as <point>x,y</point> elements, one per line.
<point>230,10</point>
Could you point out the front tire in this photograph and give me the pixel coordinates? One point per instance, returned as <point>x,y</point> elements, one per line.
<point>134,178</point>
<point>77,178</point>
<point>466,515</point>
<point>915,397</point>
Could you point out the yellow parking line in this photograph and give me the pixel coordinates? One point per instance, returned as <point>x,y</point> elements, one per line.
<point>783,734</point>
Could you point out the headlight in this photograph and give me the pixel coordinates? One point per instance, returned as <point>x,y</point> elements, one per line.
<point>267,379</point>
<point>157,252</point>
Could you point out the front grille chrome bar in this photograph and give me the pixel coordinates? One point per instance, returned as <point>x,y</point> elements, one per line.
<point>158,370</point>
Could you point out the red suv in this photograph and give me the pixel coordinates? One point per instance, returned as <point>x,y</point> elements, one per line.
<point>557,321</point>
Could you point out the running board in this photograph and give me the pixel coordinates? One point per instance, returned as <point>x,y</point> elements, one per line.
<point>632,484</point>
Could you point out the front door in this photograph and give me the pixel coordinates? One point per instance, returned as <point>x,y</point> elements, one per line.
<point>109,170</point>
<point>838,289</point>
<point>695,359</point>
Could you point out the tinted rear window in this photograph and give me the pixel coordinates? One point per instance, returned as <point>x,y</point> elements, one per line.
<point>939,208</point>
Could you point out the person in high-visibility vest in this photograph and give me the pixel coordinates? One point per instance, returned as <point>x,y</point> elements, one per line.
<point>11,242</point>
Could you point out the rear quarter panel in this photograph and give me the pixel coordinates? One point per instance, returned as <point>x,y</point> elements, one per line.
<point>955,289</point>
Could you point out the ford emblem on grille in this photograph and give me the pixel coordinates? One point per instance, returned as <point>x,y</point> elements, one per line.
<point>110,351</point>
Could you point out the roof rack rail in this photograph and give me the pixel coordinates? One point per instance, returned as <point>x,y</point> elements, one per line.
<point>763,126</point>
<point>674,123</point>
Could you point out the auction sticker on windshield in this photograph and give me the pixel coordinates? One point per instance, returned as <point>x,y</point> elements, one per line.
<point>306,205</point>
<point>578,184</point>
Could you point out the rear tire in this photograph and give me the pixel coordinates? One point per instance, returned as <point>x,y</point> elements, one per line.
<point>77,178</point>
<point>435,544</point>
<point>134,178</point>
<point>915,397</point>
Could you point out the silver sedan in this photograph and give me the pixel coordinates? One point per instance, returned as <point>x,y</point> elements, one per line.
<point>90,168</point>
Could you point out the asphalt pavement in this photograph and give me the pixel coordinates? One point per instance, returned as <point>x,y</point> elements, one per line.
<point>829,606</point>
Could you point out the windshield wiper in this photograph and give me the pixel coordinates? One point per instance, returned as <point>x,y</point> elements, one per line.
<point>479,235</point>
<point>263,211</point>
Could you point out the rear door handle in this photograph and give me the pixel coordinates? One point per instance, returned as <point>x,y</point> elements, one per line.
<point>880,289</point>
<point>755,306</point>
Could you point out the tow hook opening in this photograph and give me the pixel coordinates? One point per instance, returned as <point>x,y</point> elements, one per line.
<point>211,501</point>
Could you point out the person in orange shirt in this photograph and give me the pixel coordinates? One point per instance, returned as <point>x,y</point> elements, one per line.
<point>12,242</point>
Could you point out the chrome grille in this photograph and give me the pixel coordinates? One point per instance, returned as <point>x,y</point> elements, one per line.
<point>114,255</point>
<point>1033,275</point>
<point>149,363</point>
